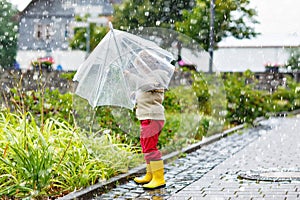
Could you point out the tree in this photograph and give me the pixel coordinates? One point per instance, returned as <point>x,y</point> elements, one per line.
<point>8,34</point>
<point>294,60</point>
<point>80,37</point>
<point>149,13</point>
<point>232,18</point>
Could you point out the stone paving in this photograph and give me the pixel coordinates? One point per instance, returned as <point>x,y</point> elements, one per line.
<point>277,149</point>
<point>205,174</point>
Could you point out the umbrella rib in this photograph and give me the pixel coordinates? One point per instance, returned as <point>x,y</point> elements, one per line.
<point>153,46</point>
<point>118,49</point>
<point>120,64</point>
<point>132,50</point>
<point>99,77</point>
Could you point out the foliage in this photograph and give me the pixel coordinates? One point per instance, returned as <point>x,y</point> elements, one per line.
<point>68,75</point>
<point>79,41</point>
<point>200,86</point>
<point>182,129</point>
<point>145,13</point>
<point>286,99</point>
<point>232,18</point>
<point>8,34</point>
<point>186,121</point>
<point>294,60</point>
<point>54,104</point>
<point>245,103</point>
<point>59,159</point>
<point>121,121</point>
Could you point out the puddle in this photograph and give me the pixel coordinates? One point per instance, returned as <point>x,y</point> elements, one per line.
<point>272,175</point>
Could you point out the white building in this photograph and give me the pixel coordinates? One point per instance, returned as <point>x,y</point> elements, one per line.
<point>46,27</point>
<point>235,55</point>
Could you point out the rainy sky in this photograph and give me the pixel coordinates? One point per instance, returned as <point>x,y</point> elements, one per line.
<point>276,16</point>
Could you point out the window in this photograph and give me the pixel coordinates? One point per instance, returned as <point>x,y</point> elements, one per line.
<point>67,34</point>
<point>38,31</point>
<point>48,32</point>
<point>43,31</point>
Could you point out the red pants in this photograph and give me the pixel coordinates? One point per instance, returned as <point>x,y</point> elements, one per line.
<point>150,131</point>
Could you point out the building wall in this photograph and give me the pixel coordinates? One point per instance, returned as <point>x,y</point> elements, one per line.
<point>53,21</point>
<point>103,7</point>
<point>67,60</point>
<point>236,59</point>
<point>46,26</point>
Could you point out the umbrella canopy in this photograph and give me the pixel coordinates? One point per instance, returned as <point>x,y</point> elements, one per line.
<point>120,65</point>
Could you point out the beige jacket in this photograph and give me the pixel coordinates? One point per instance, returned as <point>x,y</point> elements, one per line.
<point>149,105</point>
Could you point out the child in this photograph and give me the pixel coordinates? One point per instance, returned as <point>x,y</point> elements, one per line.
<point>150,76</point>
<point>150,112</point>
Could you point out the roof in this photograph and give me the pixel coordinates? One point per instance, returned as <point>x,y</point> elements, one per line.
<point>263,40</point>
<point>33,1</point>
<point>30,2</point>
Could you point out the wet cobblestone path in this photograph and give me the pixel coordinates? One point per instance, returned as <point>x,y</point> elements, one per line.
<point>186,170</point>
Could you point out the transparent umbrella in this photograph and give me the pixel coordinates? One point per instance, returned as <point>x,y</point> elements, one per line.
<point>120,65</point>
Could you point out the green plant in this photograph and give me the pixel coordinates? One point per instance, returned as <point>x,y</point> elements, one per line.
<point>59,159</point>
<point>245,103</point>
<point>286,98</point>
<point>68,75</point>
<point>8,34</point>
<point>30,159</point>
<point>42,104</point>
<point>294,60</point>
<point>201,88</point>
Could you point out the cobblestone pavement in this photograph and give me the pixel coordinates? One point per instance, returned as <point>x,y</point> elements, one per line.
<point>197,175</point>
<point>277,149</point>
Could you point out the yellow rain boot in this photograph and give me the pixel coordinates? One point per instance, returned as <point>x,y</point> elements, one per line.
<point>158,179</point>
<point>145,179</point>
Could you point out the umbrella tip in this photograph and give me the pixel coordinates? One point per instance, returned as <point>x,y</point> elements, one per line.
<point>110,26</point>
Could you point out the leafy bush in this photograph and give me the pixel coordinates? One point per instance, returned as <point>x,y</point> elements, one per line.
<point>185,116</point>
<point>201,88</point>
<point>245,103</point>
<point>286,99</point>
<point>42,104</point>
<point>293,62</point>
<point>38,163</point>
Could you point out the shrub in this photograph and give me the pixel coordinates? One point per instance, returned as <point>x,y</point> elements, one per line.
<point>286,99</point>
<point>245,103</point>
<point>38,163</point>
<point>42,104</point>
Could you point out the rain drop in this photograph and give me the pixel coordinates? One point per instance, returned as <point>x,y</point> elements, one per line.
<point>194,21</point>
